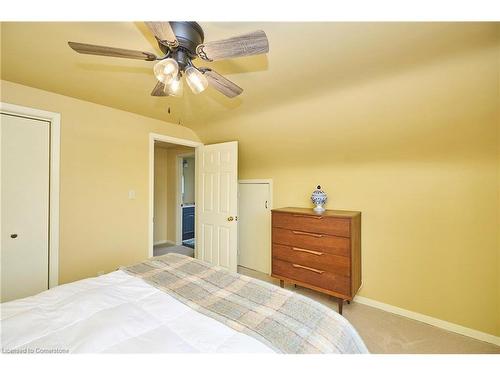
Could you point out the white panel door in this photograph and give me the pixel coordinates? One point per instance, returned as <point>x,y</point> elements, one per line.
<point>24,206</point>
<point>217,204</point>
<point>254,225</point>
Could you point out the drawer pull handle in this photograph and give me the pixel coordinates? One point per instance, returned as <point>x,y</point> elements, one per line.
<point>308,216</point>
<point>307,268</point>
<point>307,234</point>
<point>307,251</point>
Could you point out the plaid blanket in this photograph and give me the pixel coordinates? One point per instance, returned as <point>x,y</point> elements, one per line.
<point>283,320</point>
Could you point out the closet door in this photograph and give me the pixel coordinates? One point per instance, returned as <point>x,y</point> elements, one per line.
<point>254,236</point>
<point>24,206</point>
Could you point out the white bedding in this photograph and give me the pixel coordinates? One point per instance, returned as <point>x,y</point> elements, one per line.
<point>115,313</point>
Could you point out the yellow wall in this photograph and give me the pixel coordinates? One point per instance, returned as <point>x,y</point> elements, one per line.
<point>498,188</point>
<point>189,181</point>
<point>417,152</point>
<point>104,154</point>
<point>160,195</point>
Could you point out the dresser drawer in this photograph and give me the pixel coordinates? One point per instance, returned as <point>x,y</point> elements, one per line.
<point>312,223</point>
<point>312,241</point>
<point>313,276</point>
<point>316,259</point>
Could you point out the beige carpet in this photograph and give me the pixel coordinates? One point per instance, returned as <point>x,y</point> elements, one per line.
<point>387,333</point>
<point>168,248</point>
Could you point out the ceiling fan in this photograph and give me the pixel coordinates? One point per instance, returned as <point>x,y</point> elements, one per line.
<point>181,43</point>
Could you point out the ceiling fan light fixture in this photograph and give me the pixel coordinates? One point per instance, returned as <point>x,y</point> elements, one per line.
<point>196,80</point>
<point>181,42</point>
<point>174,87</point>
<point>166,70</point>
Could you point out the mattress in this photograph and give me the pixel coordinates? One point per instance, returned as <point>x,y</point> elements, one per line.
<point>117,313</point>
<point>114,313</point>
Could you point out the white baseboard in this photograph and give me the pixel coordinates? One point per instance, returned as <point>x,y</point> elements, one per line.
<point>478,335</point>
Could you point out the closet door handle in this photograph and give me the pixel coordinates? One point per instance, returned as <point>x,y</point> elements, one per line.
<point>307,268</point>
<point>307,251</point>
<point>13,235</point>
<point>308,216</point>
<point>307,234</point>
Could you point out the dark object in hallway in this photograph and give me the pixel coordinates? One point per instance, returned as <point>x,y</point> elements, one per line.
<point>187,223</point>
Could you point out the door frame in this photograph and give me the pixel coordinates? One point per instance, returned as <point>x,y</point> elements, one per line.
<point>262,181</point>
<point>178,195</point>
<point>54,178</point>
<point>168,139</point>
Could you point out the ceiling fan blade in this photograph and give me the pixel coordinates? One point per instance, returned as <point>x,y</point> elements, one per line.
<point>92,49</point>
<point>164,33</point>
<point>254,43</point>
<point>221,84</point>
<point>159,90</point>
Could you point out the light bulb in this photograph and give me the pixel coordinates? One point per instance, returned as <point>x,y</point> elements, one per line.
<point>174,87</point>
<point>196,80</point>
<point>166,70</point>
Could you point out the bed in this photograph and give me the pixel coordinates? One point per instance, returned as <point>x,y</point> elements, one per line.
<point>173,304</point>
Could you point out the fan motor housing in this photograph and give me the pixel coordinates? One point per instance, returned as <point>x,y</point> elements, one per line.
<point>189,35</point>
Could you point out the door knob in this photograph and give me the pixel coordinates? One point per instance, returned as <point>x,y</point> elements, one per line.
<point>13,235</point>
<point>230,218</point>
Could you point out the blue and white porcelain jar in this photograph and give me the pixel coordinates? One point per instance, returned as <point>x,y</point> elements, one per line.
<point>319,199</point>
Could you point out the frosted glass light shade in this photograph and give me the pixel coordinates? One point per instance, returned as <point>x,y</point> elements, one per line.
<point>166,70</point>
<point>196,80</point>
<point>174,87</point>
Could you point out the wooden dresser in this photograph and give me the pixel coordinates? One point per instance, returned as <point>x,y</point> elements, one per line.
<point>320,251</point>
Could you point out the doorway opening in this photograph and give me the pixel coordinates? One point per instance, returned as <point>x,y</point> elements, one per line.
<point>173,199</point>
<point>216,201</point>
